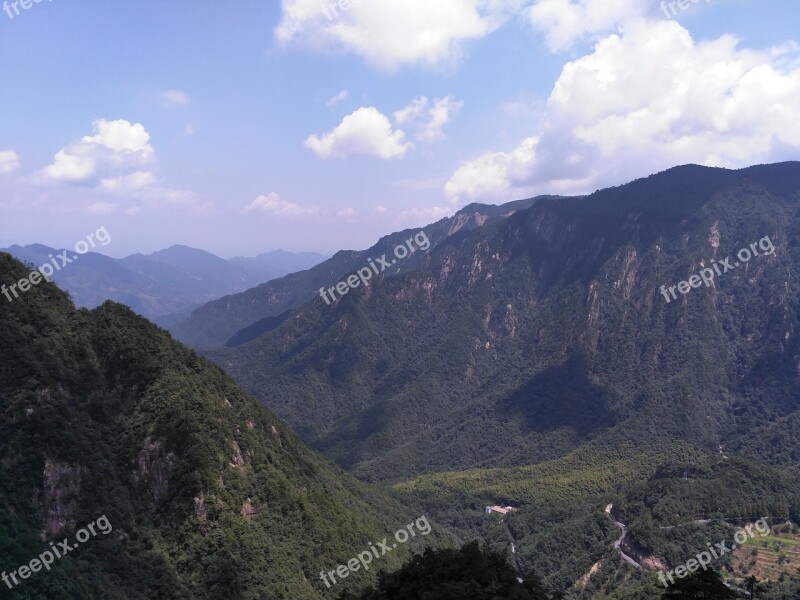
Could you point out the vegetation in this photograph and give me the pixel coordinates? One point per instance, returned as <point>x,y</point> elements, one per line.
<point>703,585</point>
<point>209,495</point>
<point>533,361</point>
<point>520,341</point>
<point>471,573</point>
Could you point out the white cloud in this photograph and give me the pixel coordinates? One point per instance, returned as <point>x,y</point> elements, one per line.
<point>272,203</point>
<point>9,161</point>
<point>489,177</point>
<point>343,95</point>
<point>612,117</point>
<point>120,136</point>
<point>190,128</point>
<point>70,167</point>
<point>391,33</point>
<point>176,97</point>
<point>430,117</point>
<point>413,111</point>
<point>565,22</point>
<point>134,181</point>
<point>364,132</point>
<point>112,164</point>
<point>424,216</point>
<point>116,146</point>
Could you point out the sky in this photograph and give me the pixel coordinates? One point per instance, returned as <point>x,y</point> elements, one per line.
<point>311,125</point>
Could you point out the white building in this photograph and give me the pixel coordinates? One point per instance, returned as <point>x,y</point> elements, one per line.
<point>501,510</point>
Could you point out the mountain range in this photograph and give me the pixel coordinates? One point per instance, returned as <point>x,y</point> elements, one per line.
<point>246,315</point>
<point>596,386</point>
<point>536,344</point>
<point>163,286</point>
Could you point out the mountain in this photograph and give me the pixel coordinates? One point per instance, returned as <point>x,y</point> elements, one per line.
<point>219,322</point>
<point>536,361</point>
<point>166,285</point>
<point>271,265</point>
<point>197,490</point>
<point>517,341</point>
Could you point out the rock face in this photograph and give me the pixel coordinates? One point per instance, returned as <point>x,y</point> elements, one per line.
<point>249,510</point>
<point>154,469</point>
<point>62,484</point>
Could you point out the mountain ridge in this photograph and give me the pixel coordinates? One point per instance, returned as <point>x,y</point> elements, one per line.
<point>209,495</point>
<point>570,265</point>
<point>164,285</point>
<point>219,321</point>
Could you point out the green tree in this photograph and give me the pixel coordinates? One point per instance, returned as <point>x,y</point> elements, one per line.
<point>471,573</point>
<point>705,585</point>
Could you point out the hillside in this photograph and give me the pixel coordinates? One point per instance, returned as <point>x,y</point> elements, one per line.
<point>535,362</point>
<point>206,493</point>
<point>234,318</point>
<point>517,342</point>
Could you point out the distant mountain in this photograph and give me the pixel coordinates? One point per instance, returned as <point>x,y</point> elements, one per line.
<point>165,285</point>
<point>205,493</point>
<point>271,265</point>
<point>219,322</point>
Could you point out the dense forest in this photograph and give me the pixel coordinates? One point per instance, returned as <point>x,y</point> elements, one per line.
<point>209,495</point>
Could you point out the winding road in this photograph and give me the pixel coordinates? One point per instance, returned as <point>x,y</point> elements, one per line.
<point>618,543</point>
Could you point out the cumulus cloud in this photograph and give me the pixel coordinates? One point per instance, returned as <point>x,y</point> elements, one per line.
<point>134,181</point>
<point>9,161</point>
<point>565,22</point>
<point>612,117</point>
<point>114,163</point>
<point>120,136</point>
<point>116,146</point>
<point>272,203</point>
<point>490,176</point>
<point>343,95</point>
<point>364,132</point>
<point>392,33</point>
<point>424,216</point>
<point>70,167</point>
<point>431,117</point>
<point>176,98</point>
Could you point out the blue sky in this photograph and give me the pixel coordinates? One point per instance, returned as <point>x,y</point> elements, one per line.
<point>247,126</point>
